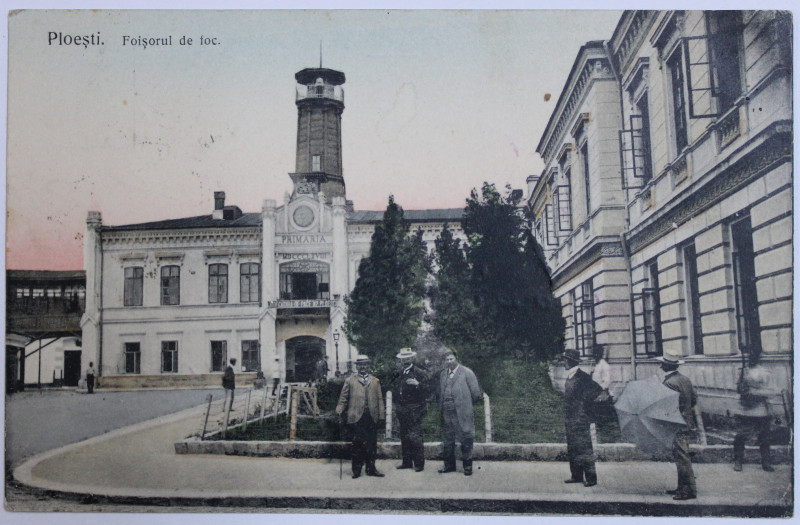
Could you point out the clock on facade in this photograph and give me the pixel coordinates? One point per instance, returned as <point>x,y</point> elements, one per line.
<point>303,216</point>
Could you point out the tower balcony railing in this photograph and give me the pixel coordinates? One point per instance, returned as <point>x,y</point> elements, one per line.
<point>320,91</point>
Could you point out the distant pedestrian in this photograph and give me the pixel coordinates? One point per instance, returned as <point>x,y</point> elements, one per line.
<point>321,371</point>
<point>580,393</point>
<point>229,383</point>
<point>410,397</point>
<point>90,377</point>
<point>276,375</point>
<point>458,389</point>
<point>361,404</point>
<point>602,370</point>
<point>687,399</point>
<point>260,381</point>
<point>753,416</point>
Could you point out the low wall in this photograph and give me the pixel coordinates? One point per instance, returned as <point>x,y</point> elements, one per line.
<point>130,382</point>
<point>482,451</point>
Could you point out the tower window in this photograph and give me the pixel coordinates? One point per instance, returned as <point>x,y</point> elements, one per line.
<point>316,163</point>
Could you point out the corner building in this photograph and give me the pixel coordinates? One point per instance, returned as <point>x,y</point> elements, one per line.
<point>168,303</point>
<point>689,182</point>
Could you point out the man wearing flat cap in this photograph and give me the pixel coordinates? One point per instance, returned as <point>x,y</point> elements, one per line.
<point>410,397</point>
<point>687,399</point>
<point>361,397</point>
<point>458,389</point>
<point>579,393</point>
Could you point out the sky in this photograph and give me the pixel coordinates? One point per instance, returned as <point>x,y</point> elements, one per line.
<point>436,102</point>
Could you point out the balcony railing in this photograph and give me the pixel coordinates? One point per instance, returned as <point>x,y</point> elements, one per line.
<point>320,91</point>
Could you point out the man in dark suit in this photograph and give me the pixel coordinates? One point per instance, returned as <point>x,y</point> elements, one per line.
<point>410,397</point>
<point>687,489</point>
<point>579,392</point>
<point>458,389</point>
<point>229,383</point>
<point>362,398</point>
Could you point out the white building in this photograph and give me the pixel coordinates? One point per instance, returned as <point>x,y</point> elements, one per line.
<point>168,303</point>
<point>691,225</point>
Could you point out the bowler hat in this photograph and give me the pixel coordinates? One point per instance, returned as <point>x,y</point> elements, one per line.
<point>406,353</point>
<point>361,358</point>
<point>670,359</point>
<point>572,355</point>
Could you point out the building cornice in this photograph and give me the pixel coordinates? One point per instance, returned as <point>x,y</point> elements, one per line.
<point>201,237</point>
<point>775,148</point>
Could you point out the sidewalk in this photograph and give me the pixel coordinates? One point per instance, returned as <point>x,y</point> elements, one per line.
<point>138,465</point>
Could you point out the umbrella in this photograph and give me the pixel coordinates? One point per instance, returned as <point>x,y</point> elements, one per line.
<point>649,416</point>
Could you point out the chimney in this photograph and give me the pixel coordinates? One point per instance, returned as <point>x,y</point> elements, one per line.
<point>219,205</point>
<point>532,181</point>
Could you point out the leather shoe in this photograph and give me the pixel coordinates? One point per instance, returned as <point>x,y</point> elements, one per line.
<point>737,467</point>
<point>447,470</point>
<point>681,497</point>
<point>467,472</point>
<point>570,480</point>
<point>590,484</point>
<point>419,469</point>
<point>672,492</point>
<point>768,468</point>
<point>356,475</point>
<point>404,466</point>
<point>375,474</point>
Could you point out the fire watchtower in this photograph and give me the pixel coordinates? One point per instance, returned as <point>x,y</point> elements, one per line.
<point>320,103</point>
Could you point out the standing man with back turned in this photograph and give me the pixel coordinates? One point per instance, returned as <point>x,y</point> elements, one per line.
<point>579,392</point>
<point>229,382</point>
<point>458,389</point>
<point>687,488</point>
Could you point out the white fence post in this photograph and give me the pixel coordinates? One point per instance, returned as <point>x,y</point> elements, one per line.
<point>487,416</point>
<point>388,414</point>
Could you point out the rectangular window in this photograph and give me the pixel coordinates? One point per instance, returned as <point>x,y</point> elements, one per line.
<point>550,226</point>
<point>134,279</point>
<point>585,159</point>
<point>676,76</point>
<point>169,357</point>
<point>316,163</point>
<point>249,283</point>
<point>748,323</point>
<point>725,32</point>
<point>693,298</point>
<point>170,285</point>
<point>133,358</point>
<point>584,318</point>
<point>564,201</point>
<point>652,311</point>
<point>219,355</point>
<point>643,143</point>
<point>251,361</point>
<point>217,283</point>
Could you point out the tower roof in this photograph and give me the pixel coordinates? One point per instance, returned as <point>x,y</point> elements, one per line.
<point>310,74</point>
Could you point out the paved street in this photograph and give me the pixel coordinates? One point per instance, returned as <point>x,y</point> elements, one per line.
<point>138,466</point>
<point>40,420</point>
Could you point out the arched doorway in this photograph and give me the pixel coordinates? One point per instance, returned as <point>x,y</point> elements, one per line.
<point>302,354</point>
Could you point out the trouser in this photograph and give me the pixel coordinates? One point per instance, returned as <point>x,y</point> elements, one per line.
<point>749,426</point>
<point>683,462</point>
<point>581,454</point>
<point>275,383</point>
<point>453,433</point>
<point>411,445</point>
<point>365,444</point>
<point>227,391</point>
<point>90,382</point>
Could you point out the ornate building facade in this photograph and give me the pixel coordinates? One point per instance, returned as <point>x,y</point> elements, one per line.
<point>170,302</point>
<point>693,254</point>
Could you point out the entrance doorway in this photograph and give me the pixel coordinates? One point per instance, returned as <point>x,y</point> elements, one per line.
<point>304,352</point>
<point>72,367</point>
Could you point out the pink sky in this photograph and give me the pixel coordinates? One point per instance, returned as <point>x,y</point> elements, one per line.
<point>436,103</point>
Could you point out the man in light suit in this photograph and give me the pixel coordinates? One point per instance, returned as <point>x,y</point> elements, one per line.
<point>458,389</point>
<point>687,400</point>
<point>362,398</point>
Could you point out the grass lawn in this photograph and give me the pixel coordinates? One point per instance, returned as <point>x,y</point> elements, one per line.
<point>525,409</point>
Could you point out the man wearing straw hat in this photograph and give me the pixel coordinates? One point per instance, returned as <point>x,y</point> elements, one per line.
<point>362,398</point>
<point>410,396</point>
<point>687,489</point>
<point>579,392</point>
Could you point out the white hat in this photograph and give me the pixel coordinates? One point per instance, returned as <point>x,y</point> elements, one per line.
<point>406,353</point>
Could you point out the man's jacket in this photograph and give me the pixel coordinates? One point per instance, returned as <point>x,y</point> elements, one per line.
<point>355,398</point>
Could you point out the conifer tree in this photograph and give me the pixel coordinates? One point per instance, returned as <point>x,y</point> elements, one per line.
<point>385,308</point>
